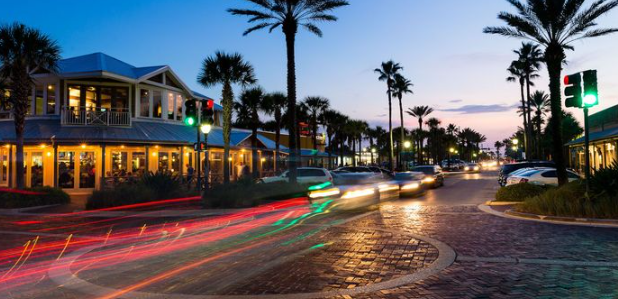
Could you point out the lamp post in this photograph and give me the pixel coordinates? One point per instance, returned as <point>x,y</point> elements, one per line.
<point>450,152</point>
<point>205,128</point>
<point>373,152</point>
<point>407,145</point>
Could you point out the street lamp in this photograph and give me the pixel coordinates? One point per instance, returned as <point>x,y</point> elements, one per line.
<point>373,150</point>
<point>206,128</point>
<point>407,144</point>
<point>515,141</point>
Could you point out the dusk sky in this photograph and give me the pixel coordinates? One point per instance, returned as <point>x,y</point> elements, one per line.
<point>455,68</point>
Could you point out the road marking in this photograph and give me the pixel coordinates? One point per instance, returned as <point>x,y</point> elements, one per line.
<point>510,260</point>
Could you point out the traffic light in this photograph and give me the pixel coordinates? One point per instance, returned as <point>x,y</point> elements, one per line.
<point>591,90</point>
<point>208,112</point>
<point>191,113</point>
<point>573,90</point>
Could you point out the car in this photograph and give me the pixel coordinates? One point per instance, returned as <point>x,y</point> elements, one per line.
<point>306,175</point>
<point>434,177</point>
<point>472,167</point>
<point>410,183</point>
<point>542,177</point>
<point>454,164</point>
<point>506,169</point>
<point>341,178</point>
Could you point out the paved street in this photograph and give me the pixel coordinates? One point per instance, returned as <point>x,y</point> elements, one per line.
<point>439,245</point>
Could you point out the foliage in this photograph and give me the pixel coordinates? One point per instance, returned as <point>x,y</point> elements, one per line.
<point>47,196</point>
<point>150,187</point>
<point>570,201</point>
<point>246,193</point>
<point>519,192</point>
<point>605,181</point>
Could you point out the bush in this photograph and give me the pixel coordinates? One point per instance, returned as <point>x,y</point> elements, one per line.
<point>570,200</point>
<point>150,187</point>
<point>47,196</point>
<point>245,193</point>
<point>605,181</point>
<point>519,192</point>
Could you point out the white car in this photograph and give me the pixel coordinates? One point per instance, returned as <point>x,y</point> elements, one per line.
<point>542,176</point>
<point>306,175</point>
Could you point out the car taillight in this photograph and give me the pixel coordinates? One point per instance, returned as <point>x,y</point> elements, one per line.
<point>523,181</point>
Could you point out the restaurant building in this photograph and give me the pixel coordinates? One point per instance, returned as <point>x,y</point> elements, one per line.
<point>100,119</point>
<point>603,142</point>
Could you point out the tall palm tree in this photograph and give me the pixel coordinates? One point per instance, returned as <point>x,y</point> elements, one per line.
<point>315,106</point>
<point>387,72</point>
<point>290,15</point>
<point>434,135</point>
<point>498,146</point>
<point>420,112</point>
<point>530,56</point>
<point>401,86</point>
<point>248,114</point>
<point>332,120</point>
<point>555,25</point>
<point>273,104</point>
<point>226,69</point>
<point>517,73</point>
<point>541,104</point>
<point>23,51</point>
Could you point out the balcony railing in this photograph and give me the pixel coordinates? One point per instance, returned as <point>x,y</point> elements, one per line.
<point>91,116</point>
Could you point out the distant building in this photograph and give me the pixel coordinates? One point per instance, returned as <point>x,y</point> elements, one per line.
<point>603,141</point>
<point>99,120</point>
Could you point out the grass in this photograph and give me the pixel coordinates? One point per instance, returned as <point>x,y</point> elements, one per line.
<point>519,192</point>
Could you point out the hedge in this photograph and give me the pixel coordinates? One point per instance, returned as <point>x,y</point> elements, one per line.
<point>42,196</point>
<point>245,194</point>
<point>519,192</point>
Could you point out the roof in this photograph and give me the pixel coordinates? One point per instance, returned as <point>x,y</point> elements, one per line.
<point>311,153</point>
<point>606,134</point>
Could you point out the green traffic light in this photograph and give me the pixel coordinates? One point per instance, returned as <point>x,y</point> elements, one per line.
<point>190,121</point>
<point>591,100</point>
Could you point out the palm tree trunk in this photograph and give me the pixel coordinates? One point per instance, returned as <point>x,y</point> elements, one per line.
<point>530,125</point>
<point>390,129</point>
<point>227,101</point>
<point>401,141</point>
<point>330,150</point>
<point>277,147</point>
<point>290,39</point>
<point>22,87</point>
<point>420,141</point>
<point>371,149</point>
<point>538,137</point>
<point>254,154</point>
<point>554,57</point>
<point>523,107</point>
<point>315,132</point>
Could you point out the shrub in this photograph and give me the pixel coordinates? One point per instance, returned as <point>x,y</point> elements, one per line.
<point>46,196</point>
<point>519,192</point>
<point>246,193</point>
<point>570,200</point>
<point>164,184</point>
<point>124,194</point>
<point>605,180</point>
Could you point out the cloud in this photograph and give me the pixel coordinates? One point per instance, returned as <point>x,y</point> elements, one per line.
<point>478,109</point>
<point>455,101</point>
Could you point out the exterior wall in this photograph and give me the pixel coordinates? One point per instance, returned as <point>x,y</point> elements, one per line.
<point>602,154</point>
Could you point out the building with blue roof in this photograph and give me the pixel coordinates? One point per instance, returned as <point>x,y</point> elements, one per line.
<point>99,117</point>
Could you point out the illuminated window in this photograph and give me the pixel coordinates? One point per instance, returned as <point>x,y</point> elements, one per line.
<point>39,107</point>
<point>157,110</point>
<point>144,103</point>
<point>74,96</point>
<point>51,99</point>
<point>170,106</point>
<point>179,107</point>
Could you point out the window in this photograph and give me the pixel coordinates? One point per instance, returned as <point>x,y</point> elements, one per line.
<point>170,105</point>
<point>51,99</point>
<point>106,97</point>
<point>74,96</point>
<point>175,161</point>
<point>178,107</point>
<point>119,164</point>
<point>66,170</point>
<point>39,107</point>
<point>138,163</point>
<point>4,165</point>
<point>163,162</point>
<point>144,103</point>
<point>157,110</point>
<point>91,98</point>
<point>310,172</point>
<point>121,99</point>
<point>549,174</point>
<point>87,171</point>
<point>36,170</point>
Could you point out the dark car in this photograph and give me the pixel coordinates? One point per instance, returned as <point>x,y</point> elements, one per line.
<point>410,183</point>
<point>507,169</point>
<point>472,167</point>
<point>434,177</point>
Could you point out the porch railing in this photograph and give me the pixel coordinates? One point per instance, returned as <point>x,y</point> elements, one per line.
<point>91,116</point>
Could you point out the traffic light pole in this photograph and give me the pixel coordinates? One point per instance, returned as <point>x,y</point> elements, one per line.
<point>198,163</point>
<point>587,149</point>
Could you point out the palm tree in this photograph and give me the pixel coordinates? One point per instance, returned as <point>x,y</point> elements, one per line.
<point>273,105</point>
<point>555,25</point>
<point>226,69</point>
<point>517,73</point>
<point>315,106</point>
<point>247,115</point>
<point>498,146</point>
<point>23,51</point>
<point>530,57</point>
<point>388,71</point>
<point>290,15</point>
<point>332,120</point>
<point>434,133</point>
<point>420,112</point>
<point>540,103</point>
<point>401,86</point>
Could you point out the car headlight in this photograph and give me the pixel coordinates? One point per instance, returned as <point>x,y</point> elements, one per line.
<point>476,168</point>
<point>387,187</point>
<point>358,193</point>
<point>467,168</point>
<point>412,186</point>
<point>324,193</point>
<point>429,179</point>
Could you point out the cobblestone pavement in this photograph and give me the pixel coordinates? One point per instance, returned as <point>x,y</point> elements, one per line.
<point>496,257</point>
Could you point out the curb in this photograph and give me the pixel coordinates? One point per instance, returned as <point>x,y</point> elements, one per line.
<point>20,211</point>
<point>550,219</point>
<point>501,203</point>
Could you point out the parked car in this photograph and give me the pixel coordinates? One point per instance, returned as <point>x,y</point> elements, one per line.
<point>306,175</point>
<point>472,167</point>
<point>410,183</point>
<point>542,176</point>
<point>506,169</point>
<point>434,177</point>
<point>455,164</point>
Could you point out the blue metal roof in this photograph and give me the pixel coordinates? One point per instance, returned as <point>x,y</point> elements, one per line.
<point>311,153</point>
<point>100,62</point>
<point>269,143</point>
<point>41,130</point>
<point>606,134</point>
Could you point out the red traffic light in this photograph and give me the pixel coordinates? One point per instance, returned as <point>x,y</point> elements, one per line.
<point>210,104</point>
<point>566,80</point>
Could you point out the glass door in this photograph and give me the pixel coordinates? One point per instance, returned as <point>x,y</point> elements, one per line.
<point>87,170</point>
<point>66,170</point>
<point>4,166</point>
<point>35,171</point>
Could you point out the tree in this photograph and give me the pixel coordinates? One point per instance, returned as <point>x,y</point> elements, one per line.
<point>273,105</point>
<point>315,106</point>
<point>540,102</point>
<point>247,115</point>
<point>518,74</point>
<point>226,69</point>
<point>498,146</point>
<point>290,15</point>
<point>332,120</point>
<point>555,25</point>
<point>23,51</point>
<point>530,57</point>
<point>435,137</point>
<point>387,73</point>
<point>420,112</point>
<point>401,86</point>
